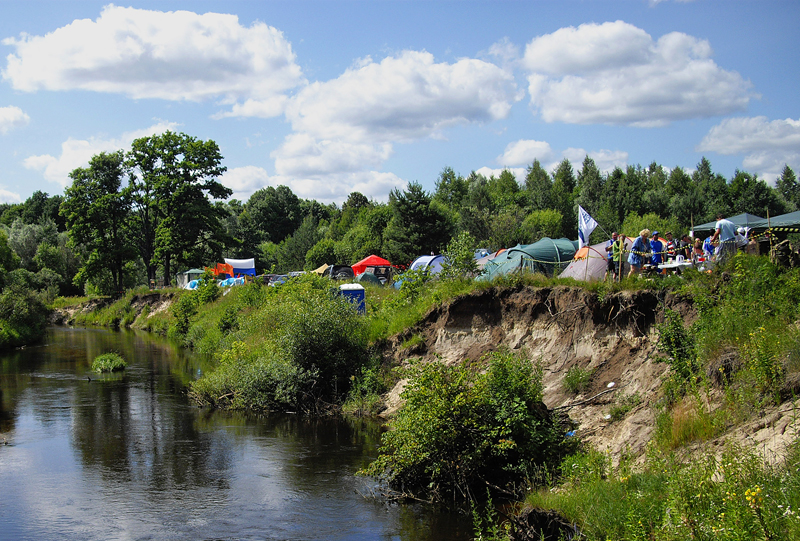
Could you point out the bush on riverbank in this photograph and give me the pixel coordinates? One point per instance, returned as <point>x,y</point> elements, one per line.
<point>23,313</point>
<point>294,347</point>
<point>463,430</point>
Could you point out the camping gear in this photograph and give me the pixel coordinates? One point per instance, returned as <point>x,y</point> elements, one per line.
<point>222,269</point>
<point>183,278</point>
<point>370,261</point>
<point>431,263</point>
<point>368,278</point>
<point>547,256</point>
<point>740,220</point>
<point>321,270</point>
<point>242,266</point>
<point>590,262</point>
<point>356,294</point>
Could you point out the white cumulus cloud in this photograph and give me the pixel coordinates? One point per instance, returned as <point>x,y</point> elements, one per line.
<point>176,55</point>
<point>615,73</point>
<point>403,97</point>
<point>7,196</point>
<point>77,152</point>
<point>767,145</point>
<point>524,151</point>
<point>12,117</point>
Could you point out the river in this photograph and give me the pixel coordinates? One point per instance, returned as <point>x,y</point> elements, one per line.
<point>85,456</point>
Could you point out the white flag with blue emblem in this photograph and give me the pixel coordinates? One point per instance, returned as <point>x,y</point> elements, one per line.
<point>586,225</point>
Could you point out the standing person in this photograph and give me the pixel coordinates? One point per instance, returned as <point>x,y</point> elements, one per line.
<point>657,248</point>
<point>640,252</point>
<point>610,267</point>
<point>685,247</point>
<point>741,238</point>
<point>725,233</point>
<point>618,251</point>
<point>671,247</point>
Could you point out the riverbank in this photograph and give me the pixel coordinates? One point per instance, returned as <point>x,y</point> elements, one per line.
<point>682,371</point>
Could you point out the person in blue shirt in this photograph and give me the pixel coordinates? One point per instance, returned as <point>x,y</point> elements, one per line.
<point>725,233</point>
<point>640,252</point>
<point>657,247</point>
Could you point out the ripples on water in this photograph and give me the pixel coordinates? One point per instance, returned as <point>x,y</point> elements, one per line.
<point>127,457</point>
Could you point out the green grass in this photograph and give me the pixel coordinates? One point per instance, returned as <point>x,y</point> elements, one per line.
<point>732,497</point>
<point>108,362</point>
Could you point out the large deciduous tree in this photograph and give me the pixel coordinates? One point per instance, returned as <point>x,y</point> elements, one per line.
<point>172,176</point>
<point>97,214</point>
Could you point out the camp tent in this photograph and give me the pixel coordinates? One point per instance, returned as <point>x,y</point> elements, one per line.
<point>183,278</point>
<point>321,270</point>
<point>590,262</point>
<point>547,256</point>
<point>370,261</point>
<point>431,263</point>
<point>790,220</point>
<point>740,220</point>
<point>242,266</point>
<point>481,262</point>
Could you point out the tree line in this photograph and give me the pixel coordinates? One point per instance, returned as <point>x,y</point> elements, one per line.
<point>132,217</point>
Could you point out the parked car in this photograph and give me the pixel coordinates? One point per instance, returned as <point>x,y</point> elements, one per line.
<point>339,272</point>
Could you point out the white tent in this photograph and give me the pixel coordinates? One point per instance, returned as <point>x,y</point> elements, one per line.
<point>242,266</point>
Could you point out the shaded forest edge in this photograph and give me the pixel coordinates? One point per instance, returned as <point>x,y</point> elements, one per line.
<point>705,367</point>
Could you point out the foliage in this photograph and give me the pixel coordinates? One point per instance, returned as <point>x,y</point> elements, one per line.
<point>109,362</point>
<point>729,497</point>
<point>577,379</point>
<point>97,216</point>
<point>459,257</point>
<point>677,343</point>
<point>23,313</point>
<point>462,429</point>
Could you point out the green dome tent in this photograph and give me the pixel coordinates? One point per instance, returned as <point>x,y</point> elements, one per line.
<point>547,256</point>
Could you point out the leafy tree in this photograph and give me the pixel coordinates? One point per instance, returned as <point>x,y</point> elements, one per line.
<point>25,239</point>
<point>292,251</point>
<point>590,186</point>
<point>788,187</point>
<point>171,178</point>
<point>539,187</point>
<point>40,207</point>
<point>750,194</point>
<point>451,189</point>
<point>713,191</point>
<point>541,223</point>
<point>275,213</point>
<point>563,195</point>
<point>97,214</point>
<point>418,225</point>
<point>459,257</point>
<point>504,191</point>
<point>321,253</point>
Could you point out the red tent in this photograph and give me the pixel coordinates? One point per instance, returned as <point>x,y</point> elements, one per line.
<point>371,261</point>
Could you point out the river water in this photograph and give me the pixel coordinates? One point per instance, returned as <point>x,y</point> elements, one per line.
<point>85,456</point>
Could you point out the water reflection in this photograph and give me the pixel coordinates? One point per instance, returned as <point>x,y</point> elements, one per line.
<point>127,457</point>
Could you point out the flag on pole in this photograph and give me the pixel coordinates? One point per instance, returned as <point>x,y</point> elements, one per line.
<point>586,225</point>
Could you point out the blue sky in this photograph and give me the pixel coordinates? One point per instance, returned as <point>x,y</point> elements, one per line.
<point>329,97</point>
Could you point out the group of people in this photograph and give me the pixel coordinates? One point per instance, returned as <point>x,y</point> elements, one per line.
<point>650,250</point>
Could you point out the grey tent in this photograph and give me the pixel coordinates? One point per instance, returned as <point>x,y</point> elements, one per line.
<point>547,256</point>
<point>591,261</point>
<point>740,220</point>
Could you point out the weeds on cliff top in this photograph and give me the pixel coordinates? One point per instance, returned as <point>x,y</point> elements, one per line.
<point>730,497</point>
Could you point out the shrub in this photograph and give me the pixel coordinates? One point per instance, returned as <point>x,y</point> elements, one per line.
<point>108,362</point>
<point>462,430</point>
<point>577,379</point>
